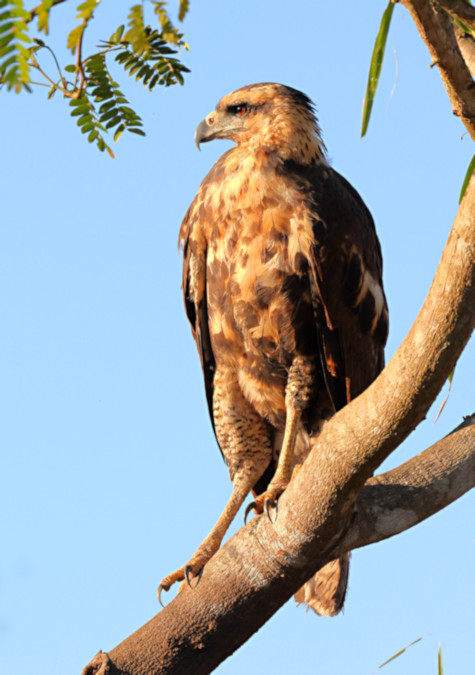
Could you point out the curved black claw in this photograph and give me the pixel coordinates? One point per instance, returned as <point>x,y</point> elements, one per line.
<point>267,504</point>
<point>188,569</point>
<point>248,510</point>
<point>159,593</point>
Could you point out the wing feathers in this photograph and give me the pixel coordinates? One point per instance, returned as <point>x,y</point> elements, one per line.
<point>346,269</point>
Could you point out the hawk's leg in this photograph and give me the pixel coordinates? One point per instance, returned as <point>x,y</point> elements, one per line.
<point>211,544</point>
<point>297,396</point>
<point>245,439</point>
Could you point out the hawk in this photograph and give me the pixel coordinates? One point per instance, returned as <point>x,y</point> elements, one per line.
<point>282,282</point>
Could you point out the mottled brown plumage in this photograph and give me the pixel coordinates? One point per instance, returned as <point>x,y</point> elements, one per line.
<point>283,290</point>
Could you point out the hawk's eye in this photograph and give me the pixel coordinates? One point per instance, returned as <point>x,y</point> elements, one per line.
<point>240,109</point>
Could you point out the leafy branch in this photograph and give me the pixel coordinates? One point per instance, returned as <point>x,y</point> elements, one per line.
<point>14,55</point>
<point>145,53</point>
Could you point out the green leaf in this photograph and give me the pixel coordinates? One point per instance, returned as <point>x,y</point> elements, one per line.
<point>375,66</point>
<point>440,669</point>
<point>466,180</point>
<point>117,36</point>
<point>86,9</point>
<point>42,12</point>
<point>87,127</point>
<point>85,12</point>
<point>74,37</point>
<point>118,132</point>
<point>463,26</point>
<point>183,9</point>
<point>80,110</point>
<point>106,106</point>
<point>134,130</point>
<point>7,26</point>
<point>108,115</point>
<point>401,651</point>
<point>85,119</point>
<point>136,34</point>
<point>113,122</point>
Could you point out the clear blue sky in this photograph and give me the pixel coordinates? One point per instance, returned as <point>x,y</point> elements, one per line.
<point>110,474</point>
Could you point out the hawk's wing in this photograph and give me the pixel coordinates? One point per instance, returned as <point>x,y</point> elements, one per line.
<point>351,314</point>
<point>346,280</point>
<point>194,295</point>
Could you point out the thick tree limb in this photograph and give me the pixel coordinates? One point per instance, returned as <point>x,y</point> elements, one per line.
<point>264,564</point>
<point>437,31</point>
<point>387,505</point>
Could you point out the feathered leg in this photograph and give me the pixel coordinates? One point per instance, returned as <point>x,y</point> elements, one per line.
<point>297,396</point>
<point>245,440</point>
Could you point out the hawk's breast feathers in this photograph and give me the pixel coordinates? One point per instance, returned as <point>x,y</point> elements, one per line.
<point>282,257</point>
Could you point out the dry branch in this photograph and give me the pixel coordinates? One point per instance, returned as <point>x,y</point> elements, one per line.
<point>399,499</point>
<point>436,28</point>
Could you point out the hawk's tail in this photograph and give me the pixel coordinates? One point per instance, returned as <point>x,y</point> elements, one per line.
<point>325,591</point>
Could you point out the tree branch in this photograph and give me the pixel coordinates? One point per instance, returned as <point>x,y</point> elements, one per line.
<point>387,505</point>
<point>34,12</point>
<point>437,31</point>
<point>399,499</point>
<point>264,564</point>
<point>466,45</point>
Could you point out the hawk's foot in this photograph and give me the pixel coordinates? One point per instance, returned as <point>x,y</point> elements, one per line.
<point>267,502</point>
<point>190,573</point>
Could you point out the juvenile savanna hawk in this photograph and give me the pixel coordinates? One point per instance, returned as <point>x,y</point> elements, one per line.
<point>283,290</point>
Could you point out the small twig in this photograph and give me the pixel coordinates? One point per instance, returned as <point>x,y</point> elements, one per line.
<point>34,12</point>
<point>63,89</point>
<point>436,28</point>
<point>80,66</point>
<point>57,64</point>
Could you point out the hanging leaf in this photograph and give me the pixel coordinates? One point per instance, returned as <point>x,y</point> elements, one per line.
<point>42,12</point>
<point>375,66</point>
<point>401,651</point>
<point>449,380</point>
<point>85,12</point>
<point>466,180</point>
<point>183,9</point>
<point>136,35</point>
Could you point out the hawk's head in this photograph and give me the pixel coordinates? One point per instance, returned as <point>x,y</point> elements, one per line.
<point>266,116</point>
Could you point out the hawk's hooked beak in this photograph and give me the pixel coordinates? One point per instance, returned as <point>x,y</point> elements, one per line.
<point>201,133</point>
<point>206,130</point>
<point>217,124</point>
